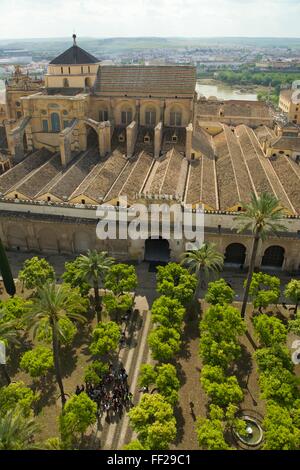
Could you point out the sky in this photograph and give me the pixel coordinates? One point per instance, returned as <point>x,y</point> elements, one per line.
<point>131,18</point>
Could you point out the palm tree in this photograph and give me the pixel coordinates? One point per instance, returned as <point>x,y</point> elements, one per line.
<point>51,304</point>
<point>16,430</point>
<point>262,216</point>
<point>93,266</point>
<point>8,335</point>
<point>203,262</point>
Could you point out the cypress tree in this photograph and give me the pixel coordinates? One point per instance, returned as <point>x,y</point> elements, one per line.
<point>5,271</point>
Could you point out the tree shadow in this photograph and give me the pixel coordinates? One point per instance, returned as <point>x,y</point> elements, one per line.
<point>190,332</point>
<point>46,386</point>
<point>15,353</point>
<point>68,361</point>
<point>251,340</point>
<point>180,425</point>
<point>83,335</point>
<point>243,367</point>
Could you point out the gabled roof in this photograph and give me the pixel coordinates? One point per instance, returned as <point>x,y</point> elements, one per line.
<point>74,55</point>
<point>164,79</point>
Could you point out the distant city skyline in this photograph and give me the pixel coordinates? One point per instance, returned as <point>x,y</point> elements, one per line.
<point>146,18</point>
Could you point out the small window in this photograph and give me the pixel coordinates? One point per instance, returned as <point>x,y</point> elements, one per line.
<point>174,138</point>
<point>89,69</point>
<point>16,196</point>
<point>66,124</point>
<point>103,115</point>
<point>61,70</point>
<point>69,70</point>
<point>19,114</point>
<point>18,103</point>
<point>55,122</point>
<point>193,156</point>
<point>82,201</point>
<point>48,198</point>
<point>66,83</point>
<point>45,125</point>
<point>81,69</point>
<point>239,208</point>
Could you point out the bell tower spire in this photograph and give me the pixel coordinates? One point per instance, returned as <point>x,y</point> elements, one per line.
<point>74,39</point>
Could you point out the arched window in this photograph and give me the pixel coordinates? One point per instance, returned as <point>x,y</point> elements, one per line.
<point>55,122</point>
<point>66,83</point>
<point>103,115</point>
<point>175,117</point>
<point>126,116</point>
<point>150,117</point>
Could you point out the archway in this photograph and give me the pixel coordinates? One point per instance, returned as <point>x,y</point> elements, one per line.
<point>273,257</point>
<point>92,137</point>
<point>82,242</point>
<point>235,255</point>
<point>157,250</point>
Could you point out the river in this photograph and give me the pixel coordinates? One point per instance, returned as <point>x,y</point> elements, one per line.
<point>223,92</point>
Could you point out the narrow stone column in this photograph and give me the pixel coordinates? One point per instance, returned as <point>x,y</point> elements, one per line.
<point>158,139</point>
<point>131,135</point>
<point>188,142</point>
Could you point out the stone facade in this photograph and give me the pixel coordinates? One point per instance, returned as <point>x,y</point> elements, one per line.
<point>290,105</point>
<point>54,229</point>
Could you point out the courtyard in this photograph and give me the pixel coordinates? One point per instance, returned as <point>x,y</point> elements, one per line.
<point>115,432</point>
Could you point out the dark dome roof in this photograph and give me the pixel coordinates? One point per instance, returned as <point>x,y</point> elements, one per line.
<point>74,55</point>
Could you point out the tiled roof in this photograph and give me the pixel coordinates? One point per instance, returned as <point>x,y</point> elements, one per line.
<point>286,143</point>
<point>233,108</point>
<point>74,55</point>
<point>219,181</point>
<point>161,79</point>
<point>17,173</point>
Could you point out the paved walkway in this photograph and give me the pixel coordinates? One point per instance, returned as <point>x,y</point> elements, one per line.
<point>115,433</point>
<point>147,280</point>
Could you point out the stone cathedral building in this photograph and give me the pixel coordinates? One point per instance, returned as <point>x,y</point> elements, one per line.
<point>91,133</point>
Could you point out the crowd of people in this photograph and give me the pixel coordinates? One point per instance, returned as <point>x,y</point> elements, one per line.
<point>112,395</point>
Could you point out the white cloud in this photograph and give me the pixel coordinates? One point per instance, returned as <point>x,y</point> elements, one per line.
<point>107,18</point>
